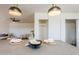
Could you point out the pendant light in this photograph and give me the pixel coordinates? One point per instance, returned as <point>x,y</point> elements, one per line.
<point>54,10</point>
<point>15,11</point>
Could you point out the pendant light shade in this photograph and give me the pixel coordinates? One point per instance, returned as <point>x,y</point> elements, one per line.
<point>15,11</point>
<point>54,10</point>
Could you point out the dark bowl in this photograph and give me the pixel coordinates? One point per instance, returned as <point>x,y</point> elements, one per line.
<point>35,45</point>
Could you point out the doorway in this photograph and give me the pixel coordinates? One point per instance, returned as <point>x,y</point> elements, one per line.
<point>71,32</point>
<point>43,29</point>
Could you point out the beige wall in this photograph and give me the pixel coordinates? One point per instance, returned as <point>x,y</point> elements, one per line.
<point>17,28</point>
<point>4,26</point>
<point>21,28</point>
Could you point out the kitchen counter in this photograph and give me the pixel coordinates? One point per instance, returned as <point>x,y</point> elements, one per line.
<point>60,48</point>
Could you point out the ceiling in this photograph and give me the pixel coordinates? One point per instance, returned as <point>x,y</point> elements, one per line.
<point>29,9</point>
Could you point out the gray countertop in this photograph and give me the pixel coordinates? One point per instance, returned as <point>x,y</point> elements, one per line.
<point>60,48</point>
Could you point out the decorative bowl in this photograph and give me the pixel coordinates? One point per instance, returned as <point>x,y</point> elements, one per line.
<point>35,44</point>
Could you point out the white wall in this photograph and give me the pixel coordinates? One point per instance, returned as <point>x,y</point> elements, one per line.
<point>21,28</point>
<point>57,28</point>
<point>77,30</point>
<point>37,17</point>
<point>56,25</point>
<point>54,28</point>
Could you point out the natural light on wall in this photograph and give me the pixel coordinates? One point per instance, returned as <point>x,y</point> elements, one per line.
<point>54,11</point>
